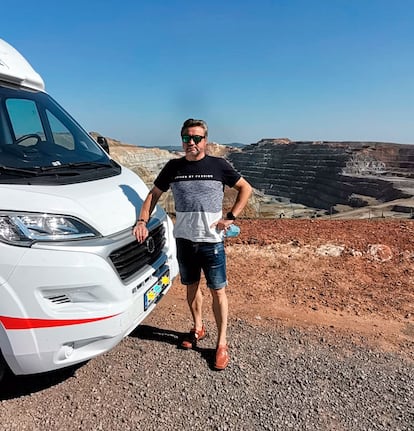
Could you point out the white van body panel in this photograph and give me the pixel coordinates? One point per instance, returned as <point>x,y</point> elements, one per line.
<point>41,333</point>
<point>109,205</point>
<point>15,68</point>
<point>73,279</point>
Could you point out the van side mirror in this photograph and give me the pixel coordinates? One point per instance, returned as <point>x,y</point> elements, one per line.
<point>103,143</point>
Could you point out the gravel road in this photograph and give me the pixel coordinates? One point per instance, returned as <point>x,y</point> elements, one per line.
<point>279,379</point>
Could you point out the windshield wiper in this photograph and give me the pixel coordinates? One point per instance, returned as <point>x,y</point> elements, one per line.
<point>21,172</point>
<point>35,172</point>
<point>63,170</point>
<point>76,165</point>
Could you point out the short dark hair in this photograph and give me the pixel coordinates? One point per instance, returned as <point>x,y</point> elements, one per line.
<point>191,122</point>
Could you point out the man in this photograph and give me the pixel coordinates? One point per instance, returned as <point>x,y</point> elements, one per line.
<point>197,181</point>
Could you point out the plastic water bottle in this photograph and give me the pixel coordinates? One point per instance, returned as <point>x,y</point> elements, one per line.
<point>232,231</point>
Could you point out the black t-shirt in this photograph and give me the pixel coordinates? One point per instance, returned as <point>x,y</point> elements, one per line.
<point>198,189</point>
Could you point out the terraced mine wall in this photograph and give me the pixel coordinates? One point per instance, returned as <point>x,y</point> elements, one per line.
<point>325,174</point>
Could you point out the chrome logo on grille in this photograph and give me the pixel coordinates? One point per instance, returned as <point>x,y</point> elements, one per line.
<point>150,244</point>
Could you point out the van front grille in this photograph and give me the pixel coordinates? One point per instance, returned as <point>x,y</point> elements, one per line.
<point>130,258</point>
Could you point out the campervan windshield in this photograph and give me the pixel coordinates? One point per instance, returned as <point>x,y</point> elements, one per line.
<point>40,142</point>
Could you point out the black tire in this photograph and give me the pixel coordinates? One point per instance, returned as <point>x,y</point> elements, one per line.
<point>3,367</point>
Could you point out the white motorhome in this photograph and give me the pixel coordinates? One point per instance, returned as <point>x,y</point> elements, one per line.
<point>73,279</point>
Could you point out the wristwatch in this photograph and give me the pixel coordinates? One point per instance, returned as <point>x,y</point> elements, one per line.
<point>230,216</point>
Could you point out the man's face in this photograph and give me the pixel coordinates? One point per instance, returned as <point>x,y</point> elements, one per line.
<point>194,150</point>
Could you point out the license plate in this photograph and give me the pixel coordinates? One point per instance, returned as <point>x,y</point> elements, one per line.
<point>154,292</point>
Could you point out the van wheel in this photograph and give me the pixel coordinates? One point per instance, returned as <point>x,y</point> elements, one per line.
<point>3,367</point>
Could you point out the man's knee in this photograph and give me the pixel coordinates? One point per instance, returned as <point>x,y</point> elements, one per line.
<point>218,293</point>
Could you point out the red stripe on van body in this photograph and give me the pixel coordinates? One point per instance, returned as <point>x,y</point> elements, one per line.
<point>28,323</point>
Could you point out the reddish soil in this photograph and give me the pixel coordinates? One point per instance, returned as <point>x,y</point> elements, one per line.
<point>353,276</point>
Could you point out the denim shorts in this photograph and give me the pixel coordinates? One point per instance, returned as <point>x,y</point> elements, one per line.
<point>207,256</point>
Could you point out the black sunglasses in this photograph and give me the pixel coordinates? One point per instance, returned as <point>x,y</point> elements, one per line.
<point>196,138</point>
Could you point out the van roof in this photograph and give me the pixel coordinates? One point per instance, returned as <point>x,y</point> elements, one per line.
<point>15,69</point>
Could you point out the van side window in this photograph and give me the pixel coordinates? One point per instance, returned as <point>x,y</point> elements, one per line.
<point>61,134</point>
<point>25,119</point>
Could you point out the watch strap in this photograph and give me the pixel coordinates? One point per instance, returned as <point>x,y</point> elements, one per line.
<point>230,216</point>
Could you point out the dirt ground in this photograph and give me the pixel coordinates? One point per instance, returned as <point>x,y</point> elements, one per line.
<point>353,276</point>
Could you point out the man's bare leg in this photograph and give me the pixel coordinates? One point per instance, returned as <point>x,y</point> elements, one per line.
<point>220,310</point>
<point>195,302</point>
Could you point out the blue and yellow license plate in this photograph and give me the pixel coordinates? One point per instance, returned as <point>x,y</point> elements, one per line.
<point>153,293</point>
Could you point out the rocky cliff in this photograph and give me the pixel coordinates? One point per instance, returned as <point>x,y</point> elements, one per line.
<point>301,179</point>
<point>147,163</point>
<point>335,176</point>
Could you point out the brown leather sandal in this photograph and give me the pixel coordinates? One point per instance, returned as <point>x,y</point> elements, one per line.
<point>222,357</point>
<point>191,339</point>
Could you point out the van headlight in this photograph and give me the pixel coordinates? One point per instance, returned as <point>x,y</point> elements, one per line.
<point>26,228</point>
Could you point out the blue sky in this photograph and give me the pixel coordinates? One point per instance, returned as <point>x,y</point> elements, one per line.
<point>302,69</point>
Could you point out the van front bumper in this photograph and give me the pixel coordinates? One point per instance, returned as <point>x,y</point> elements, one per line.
<point>64,305</point>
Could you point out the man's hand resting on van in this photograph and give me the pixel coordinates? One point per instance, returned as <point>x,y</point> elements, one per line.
<point>140,231</point>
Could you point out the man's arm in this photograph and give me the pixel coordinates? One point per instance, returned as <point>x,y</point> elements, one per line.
<point>244,192</point>
<point>140,230</point>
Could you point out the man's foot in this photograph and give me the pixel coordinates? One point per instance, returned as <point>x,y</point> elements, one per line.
<point>222,357</point>
<point>190,340</point>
